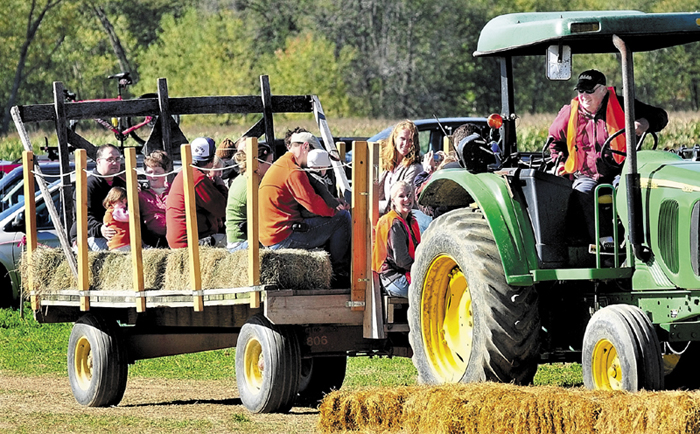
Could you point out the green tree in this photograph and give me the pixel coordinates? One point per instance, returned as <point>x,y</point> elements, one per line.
<point>201,54</point>
<point>309,65</point>
<point>28,46</point>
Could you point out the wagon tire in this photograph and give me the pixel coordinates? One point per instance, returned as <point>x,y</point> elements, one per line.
<point>466,323</point>
<point>268,366</point>
<point>97,362</point>
<point>621,351</point>
<point>320,376</point>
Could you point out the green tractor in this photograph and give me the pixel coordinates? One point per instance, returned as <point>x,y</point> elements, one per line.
<point>499,285</point>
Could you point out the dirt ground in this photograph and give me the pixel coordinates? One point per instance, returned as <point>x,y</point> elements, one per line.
<point>23,399</point>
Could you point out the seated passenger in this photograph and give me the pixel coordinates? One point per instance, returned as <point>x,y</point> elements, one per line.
<point>318,163</point>
<point>237,204</point>
<point>397,237</point>
<point>401,162</point>
<point>117,218</point>
<point>284,192</point>
<point>210,200</point>
<point>108,163</point>
<point>152,199</point>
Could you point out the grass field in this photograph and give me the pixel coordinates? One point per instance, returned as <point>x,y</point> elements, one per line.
<point>33,353</point>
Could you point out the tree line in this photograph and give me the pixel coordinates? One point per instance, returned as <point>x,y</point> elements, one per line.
<point>366,58</point>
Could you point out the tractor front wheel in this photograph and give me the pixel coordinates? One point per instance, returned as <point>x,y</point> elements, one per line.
<point>621,351</point>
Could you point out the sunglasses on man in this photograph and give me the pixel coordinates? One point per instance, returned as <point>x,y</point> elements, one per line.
<point>589,91</point>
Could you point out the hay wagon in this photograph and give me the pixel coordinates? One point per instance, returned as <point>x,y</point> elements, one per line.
<point>292,332</point>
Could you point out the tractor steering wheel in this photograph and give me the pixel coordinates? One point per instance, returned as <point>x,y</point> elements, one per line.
<point>607,153</point>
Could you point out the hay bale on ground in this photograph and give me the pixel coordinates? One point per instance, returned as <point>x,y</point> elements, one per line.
<point>650,412</point>
<point>500,408</point>
<point>374,410</point>
<point>169,269</point>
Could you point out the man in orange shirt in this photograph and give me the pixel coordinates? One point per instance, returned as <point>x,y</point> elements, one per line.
<point>210,194</point>
<point>284,191</point>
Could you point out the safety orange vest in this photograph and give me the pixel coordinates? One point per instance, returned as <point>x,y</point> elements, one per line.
<point>614,121</point>
<point>379,251</point>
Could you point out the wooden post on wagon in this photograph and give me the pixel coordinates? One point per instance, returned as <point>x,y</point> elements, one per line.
<point>192,230</point>
<point>253,223</point>
<point>360,227</point>
<point>30,222</point>
<point>82,227</point>
<point>373,326</point>
<point>132,194</point>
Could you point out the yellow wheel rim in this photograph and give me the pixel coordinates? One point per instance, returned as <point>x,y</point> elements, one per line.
<point>83,363</point>
<point>447,322</point>
<point>606,369</point>
<point>254,365</point>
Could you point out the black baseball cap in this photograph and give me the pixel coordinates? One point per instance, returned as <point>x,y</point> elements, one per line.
<point>589,79</point>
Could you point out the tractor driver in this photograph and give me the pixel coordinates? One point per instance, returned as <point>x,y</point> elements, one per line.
<point>581,128</point>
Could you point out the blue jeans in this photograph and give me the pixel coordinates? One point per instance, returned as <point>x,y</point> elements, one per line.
<point>423,220</point>
<point>97,244</point>
<point>238,245</point>
<point>332,230</point>
<point>584,188</point>
<point>398,288</point>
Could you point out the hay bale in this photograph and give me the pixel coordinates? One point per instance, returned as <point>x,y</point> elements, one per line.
<point>169,269</point>
<point>650,412</point>
<point>50,270</point>
<point>500,408</point>
<point>370,409</point>
<point>295,269</point>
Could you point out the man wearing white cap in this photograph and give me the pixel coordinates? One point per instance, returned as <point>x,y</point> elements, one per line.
<point>284,192</point>
<point>210,200</point>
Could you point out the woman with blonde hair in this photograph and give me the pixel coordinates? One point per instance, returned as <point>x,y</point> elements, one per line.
<point>397,236</point>
<point>401,162</point>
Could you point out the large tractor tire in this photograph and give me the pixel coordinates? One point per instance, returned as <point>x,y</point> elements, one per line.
<point>466,323</point>
<point>320,376</point>
<point>268,366</point>
<point>621,351</point>
<point>97,362</point>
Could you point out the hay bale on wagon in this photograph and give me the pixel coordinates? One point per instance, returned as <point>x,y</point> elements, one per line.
<point>169,269</point>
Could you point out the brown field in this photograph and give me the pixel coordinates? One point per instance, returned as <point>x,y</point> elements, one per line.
<point>46,405</point>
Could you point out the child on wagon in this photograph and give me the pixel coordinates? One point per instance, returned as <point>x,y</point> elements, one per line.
<point>117,218</point>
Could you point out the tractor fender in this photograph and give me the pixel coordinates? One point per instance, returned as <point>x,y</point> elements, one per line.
<point>507,218</point>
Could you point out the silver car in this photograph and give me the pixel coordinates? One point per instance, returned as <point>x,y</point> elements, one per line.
<point>13,240</point>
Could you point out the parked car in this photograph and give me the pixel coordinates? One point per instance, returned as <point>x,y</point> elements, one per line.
<point>12,241</point>
<point>430,135</point>
<point>12,184</point>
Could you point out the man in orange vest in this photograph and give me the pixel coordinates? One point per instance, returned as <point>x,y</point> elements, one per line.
<point>581,128</point>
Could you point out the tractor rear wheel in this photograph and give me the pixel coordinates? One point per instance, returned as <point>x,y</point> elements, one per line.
<point>621,351</point>
<point>268,366</point>
<point>466,323</point>
<point>97,362</point>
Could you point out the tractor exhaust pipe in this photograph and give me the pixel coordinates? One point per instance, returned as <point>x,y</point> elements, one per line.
<point>634,191</point>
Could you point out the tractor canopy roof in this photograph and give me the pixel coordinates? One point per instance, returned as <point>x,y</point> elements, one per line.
<point>525,34</point>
